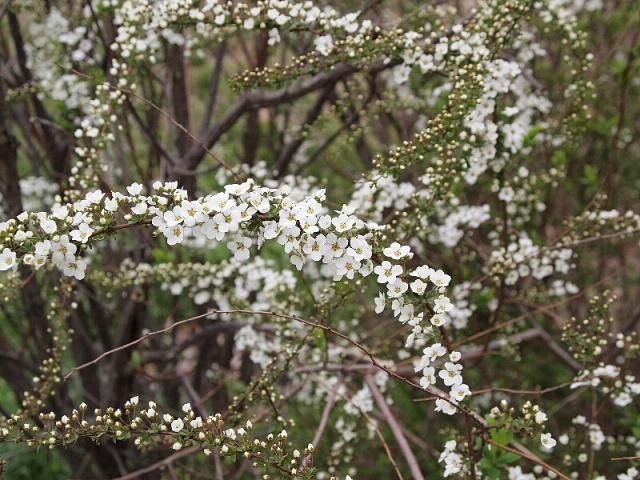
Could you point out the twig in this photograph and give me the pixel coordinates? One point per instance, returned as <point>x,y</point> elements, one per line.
<point>395,429</point>
<point>618,459</point>
<point>522,452</point>
<point>371,421</point>
<point>324,419</point>
<point>155,466</point>
<point>168,116</point>
<point>4,8</point>
<point>528,456</point>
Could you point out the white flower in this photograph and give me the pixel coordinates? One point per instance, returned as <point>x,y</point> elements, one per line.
<point>380,302</point>
<point>289,238</point>
<point>439,278</point>
<point>274,37</point>
<point>455,356</point>
<point>309,208</point>
<point>95,196</point>
<point>406,313</point>
<point>297,261</point>
<point>7,259</point>
<point>48,225</point>
<point>39,261</point>
<point>347,266</point>
<point>228,220</point>
<point>442,304</point>
<point>218,202</point>
<point>62,249</point>
<point>174,234</point>
<point>201,297</point>
<point>186,408</point>
<point>359,249</point>
<point>422,272</point>
<point>314,247</point>
<point>287,218</point>
<point>60,212</point>
<point>75,268</point>
<point>397,251</point>
<point>134,189</point>
<point>82,233</point>
<point>547,441</point>
<point>541,417</point>
<point>366,268</point>
<point>342,223</point>
<point>445,407</point>
<point>139,209</point>
<point>451,374</point>
<point>438,320</point>
<point>434,351</point>
<point>387,272</point>
<point>397,288</point>
<point>334,246</point>
<point>177,446</point>
<point>324,44</point>
<point>240,248</point>
<point>191,213</point>
<point>428,377</point>
<point>249,23</point>
<point>270,230</point>
<point>324,222</point>
<point>459,392</point>
<point>43,248</point>
<point>418,287</point>
<point>110,205</point>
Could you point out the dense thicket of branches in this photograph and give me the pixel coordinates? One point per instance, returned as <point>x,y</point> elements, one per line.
<point>278,239</point>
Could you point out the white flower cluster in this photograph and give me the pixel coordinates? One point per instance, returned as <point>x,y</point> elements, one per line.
<point>462,307</point>
<point>483,129</point>
<point>355,406</point>
<point>631,474</point>
<point>342,242</point>
<point>143,24</point>
<point>460,217</point>
<point>516,473</point>
<point>257,284</point>
<point>453,462</point>
<point>55,43</point>
<point>38,193</point>
<point>376,196</point>
<point>523,258</point>
<point>450,374</point>
<point>611,382</point>
<point>461,46</point>
<point>260,347</point>
<point>567,9</point>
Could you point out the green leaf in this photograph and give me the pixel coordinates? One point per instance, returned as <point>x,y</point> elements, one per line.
<point>502,437</point>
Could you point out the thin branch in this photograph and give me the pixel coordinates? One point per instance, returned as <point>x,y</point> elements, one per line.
<point>395,429</point>
<point>4,8</point>
<point>213,88</point>
<point>199,145</point>
<point>155,466</point>
<point>324,419</point>
<point>524,453</point>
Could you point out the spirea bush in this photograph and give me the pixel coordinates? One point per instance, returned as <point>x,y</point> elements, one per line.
<point>319,240</point>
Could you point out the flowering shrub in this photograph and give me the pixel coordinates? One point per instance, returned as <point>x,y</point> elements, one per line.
<point>299,240</point>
